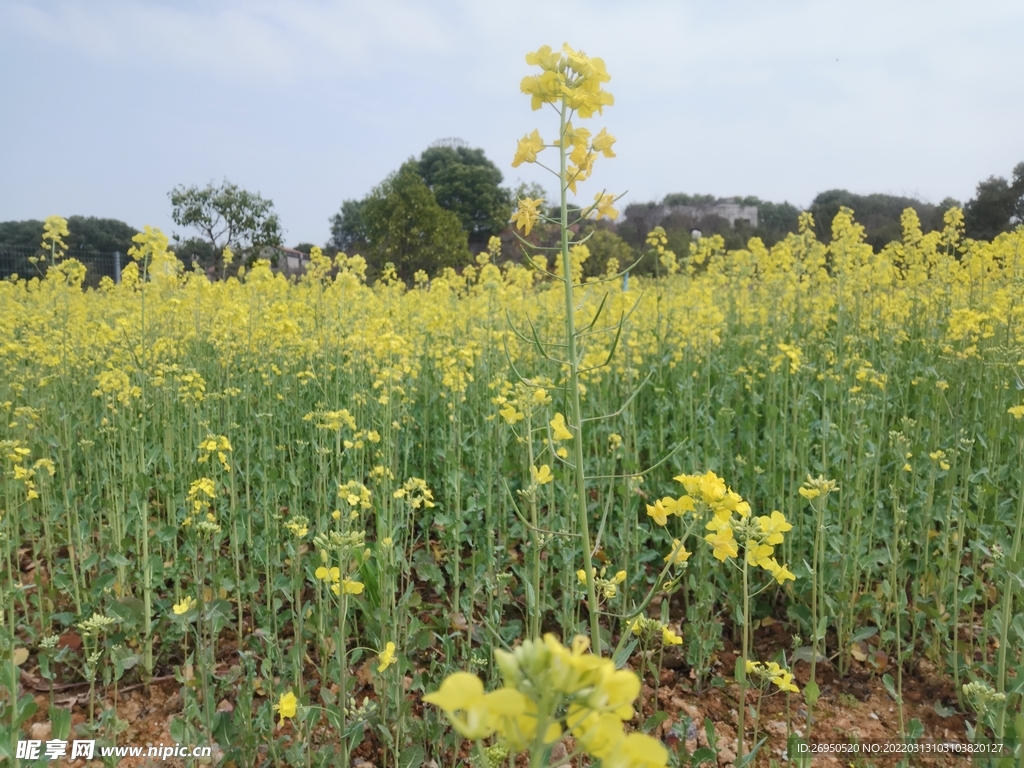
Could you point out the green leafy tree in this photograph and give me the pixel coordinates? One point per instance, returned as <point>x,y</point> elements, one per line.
<point>90,240</point>
<point>879,214</point>
<point>680,198</point>
<point>194,250</point>
<point>774,220</point>
<point>227,217</point>
<point>465,182</point>
<point>87,235</point>
<point>348,232</point>
<point>404,225</point>
<point>997,206</point>
<point>21,235</point>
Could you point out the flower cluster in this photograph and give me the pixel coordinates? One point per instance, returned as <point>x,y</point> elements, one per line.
<point>657,240</point>
<point>17,455</point>
<point>215,444</point>
<point>731,525</point>
<point>55,229</point>
<point>772,673</point>
<point>567,74</point>
<point>346,548</point>
<point>647,629</point>
<point>416,493</point>
<point>608,588</point>
<point>814,487</point>
<point>550,690</point>
<point>184,606</point>
<point>574,81</point>
<point>355,494</point>
<point>200,494</point>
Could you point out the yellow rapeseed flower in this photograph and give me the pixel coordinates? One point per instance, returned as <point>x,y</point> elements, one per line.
<point>287,706</point>
<point>774,526</point>
<point>387,657</point>
<point>474,714</point>
<point>328,574</point>
<point>510,414</point>
<point>779,572</point>
<point>350,587</point>
<point>678,553</point>
<point>528,148</point>
<point>184,606</point>
<point>603,206</point>
<point>542,475</point>
<point>527,214</point>
<point>558,429</point>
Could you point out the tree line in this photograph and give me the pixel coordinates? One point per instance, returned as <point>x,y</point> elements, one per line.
<point>436,210</point>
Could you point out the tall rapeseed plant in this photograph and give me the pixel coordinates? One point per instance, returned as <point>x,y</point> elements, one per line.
<point>572,83</point>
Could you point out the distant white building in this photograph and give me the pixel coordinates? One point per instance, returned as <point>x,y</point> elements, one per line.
<point>286,260</point>
<point>727,208</point>
<point>291,261</point>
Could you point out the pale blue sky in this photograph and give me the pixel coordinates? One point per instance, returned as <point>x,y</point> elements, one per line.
<point>109,104</point>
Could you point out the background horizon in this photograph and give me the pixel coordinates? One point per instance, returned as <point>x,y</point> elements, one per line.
<point>317,102</point>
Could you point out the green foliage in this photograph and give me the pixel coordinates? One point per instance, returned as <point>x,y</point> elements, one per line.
<point>88,234</point>
<point>404,225</point>
<point>680,198</point>
<point>878,213</point>
<point>997,206</point>
<point>195,250</point>
<point>531,190</point>
<point>348,232</point>
<point>465,182</point>
<point>21,234</point>
<point>774,220</point>
<point>603,245</point>
<point>405,222</point>
<point>227,216</point>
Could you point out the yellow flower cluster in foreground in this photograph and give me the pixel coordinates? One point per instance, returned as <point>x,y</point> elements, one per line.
<point>550,690</point>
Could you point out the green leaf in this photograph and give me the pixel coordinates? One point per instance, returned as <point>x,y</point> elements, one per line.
<point>748,758</point>
<point>822,626</point>
<point>890,686</point>
<point>654,721</point>
<point>60,723</point>
<point>863,634</point>
<point>179,731</point>
<point>705,755</point>
<point>709,731</point>
<point>622,655</point>
<point>130,610</point>
<point>915,729</point>
<point>811,693</point>
<point>414,756</point>
<point>805,653</point>
<point>26,707</point>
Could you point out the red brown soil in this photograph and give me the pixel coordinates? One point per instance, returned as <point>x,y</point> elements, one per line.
<point>854,707</point>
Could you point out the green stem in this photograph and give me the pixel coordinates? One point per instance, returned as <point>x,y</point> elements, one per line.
<point>575,411</point>
<point>741,668</point>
